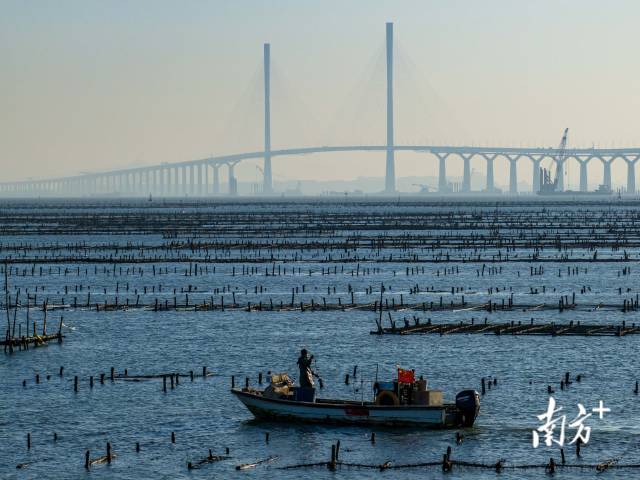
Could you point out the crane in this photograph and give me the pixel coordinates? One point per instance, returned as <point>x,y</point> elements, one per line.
<point>561,154</point>
<point>546,184</point>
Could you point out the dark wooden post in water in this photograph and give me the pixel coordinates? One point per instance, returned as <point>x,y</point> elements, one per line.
<point>108,452</point>
<point>578,444</point>
<point>87,462</point>
<point>332,463</point>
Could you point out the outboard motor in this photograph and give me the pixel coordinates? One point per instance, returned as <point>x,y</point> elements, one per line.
<point>468,404</point>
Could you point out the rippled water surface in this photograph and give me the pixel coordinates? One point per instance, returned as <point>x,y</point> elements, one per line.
<point>204,415</point>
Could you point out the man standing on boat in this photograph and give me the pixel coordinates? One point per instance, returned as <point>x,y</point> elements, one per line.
<point>306,374</point>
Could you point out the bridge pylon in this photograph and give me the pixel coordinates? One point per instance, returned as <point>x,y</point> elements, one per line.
<point>267,176</point>
<point>267,187</point>
<point>390,174</point>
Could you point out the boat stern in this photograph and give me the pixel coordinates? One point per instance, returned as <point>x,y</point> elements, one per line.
<point>468,405</point>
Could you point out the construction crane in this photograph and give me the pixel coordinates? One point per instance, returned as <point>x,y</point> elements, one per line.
<point>562,155</point>
<point>547,185</point>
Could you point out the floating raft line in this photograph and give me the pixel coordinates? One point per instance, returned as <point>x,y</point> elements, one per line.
<point>34,339</point>
<point>554,329</point>
<point>137,378</point>
<point>498,466</point>
<point>217,303</point>
<point>311,260</point>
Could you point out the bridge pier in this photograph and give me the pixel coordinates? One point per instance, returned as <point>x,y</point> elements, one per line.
<point>216,179</point>
<point>631,175</point>
<point>200,183</point>
<point>466,172</point>
<point>513,175</point>
<point>183,181</point>
<point>490,182</point>
<point>560,174</point>
<point>174,183</point>
<point>442,172</point>
<point>607,171</point>
<point>233,183</point>
<point>191,181</point>
<point>155,174</point>
<point>136,182</point>
<point>584,182</point>
<point>390,173</point>
<point>205,185</point>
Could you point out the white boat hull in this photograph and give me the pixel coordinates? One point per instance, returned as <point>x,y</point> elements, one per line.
<point>353,413</point>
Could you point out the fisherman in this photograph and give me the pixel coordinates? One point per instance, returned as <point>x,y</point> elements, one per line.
<point>306,374</point>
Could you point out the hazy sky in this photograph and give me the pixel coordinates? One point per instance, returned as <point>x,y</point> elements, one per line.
<point>92,85</point>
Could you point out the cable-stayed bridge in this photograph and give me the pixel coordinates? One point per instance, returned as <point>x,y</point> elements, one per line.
<point>201,177</point>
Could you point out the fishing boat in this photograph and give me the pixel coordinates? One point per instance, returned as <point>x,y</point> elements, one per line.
<point>404,402</point>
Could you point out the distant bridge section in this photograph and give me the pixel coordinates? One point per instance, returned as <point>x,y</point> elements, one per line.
<point>202,177</point>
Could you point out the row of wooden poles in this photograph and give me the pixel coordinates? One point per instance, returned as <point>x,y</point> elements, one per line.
<point>269,305</point>
<point>509,328</point>
<point>173,378</point>
<point>447,463</point>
